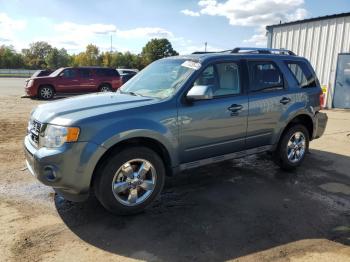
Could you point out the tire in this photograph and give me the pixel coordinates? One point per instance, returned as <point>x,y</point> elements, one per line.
<point>292,148</point>
<point>46,92</point>
<point>105,88</point>
<point>121,187</point>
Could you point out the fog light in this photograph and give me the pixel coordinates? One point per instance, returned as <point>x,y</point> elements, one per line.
<point>50,173</point>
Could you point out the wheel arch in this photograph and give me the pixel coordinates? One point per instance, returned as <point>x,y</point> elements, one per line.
<point>303,119</point>
<point>148,142</point>
<point>104,83</point>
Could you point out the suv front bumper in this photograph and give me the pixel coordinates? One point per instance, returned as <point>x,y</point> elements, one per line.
<point>67,169</point>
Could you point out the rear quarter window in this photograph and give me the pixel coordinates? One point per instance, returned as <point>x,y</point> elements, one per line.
<point>302,73</point>
<point>107,72</point>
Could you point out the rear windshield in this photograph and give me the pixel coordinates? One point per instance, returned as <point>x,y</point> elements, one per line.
<point>302,73</point>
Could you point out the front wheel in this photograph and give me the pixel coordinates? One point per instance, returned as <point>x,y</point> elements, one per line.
<point>293,146</point>
<point>130,180</point>
<point>46,92</point>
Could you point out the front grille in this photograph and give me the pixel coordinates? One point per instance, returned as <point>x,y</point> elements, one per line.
<point>35,130</point>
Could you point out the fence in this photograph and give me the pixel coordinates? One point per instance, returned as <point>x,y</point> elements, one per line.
<point>16,72</point>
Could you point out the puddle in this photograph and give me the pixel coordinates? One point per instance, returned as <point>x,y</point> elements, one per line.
<point>343,229</point>
<point>28,191</point>
<point>336,188</point>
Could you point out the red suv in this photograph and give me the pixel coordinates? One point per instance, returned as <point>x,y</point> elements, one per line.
<point>74,80</point>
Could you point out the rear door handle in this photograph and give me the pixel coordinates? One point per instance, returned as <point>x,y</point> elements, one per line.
<point>285,100</point>
<point>235,108</point>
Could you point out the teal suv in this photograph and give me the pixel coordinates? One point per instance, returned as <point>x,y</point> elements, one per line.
<point>178,113</point>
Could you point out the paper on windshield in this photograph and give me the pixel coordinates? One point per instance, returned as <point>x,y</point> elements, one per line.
<point>191,64</point>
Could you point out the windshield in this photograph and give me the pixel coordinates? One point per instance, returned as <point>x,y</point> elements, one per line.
<point>161,78</point>
<point>56,72</point>
<point>36,73</point>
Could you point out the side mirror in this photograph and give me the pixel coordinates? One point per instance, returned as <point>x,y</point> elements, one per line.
<point>203,92</point>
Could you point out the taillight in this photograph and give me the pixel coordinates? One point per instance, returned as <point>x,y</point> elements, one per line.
<point>322,100</point>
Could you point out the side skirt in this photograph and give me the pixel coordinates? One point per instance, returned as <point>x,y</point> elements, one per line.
<point>221,158</point>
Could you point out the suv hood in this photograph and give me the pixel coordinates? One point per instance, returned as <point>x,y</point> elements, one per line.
<point>71,110</point>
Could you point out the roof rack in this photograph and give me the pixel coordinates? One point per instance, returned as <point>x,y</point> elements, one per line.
<point>262,50</point>
<point>204,52</point>
<point>252,50</point>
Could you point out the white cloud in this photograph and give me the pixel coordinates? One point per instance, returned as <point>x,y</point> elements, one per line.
<point>258,39</point>
<point>189,12</point>
<point>89,29</point>
<point>9,26</point>
<point>254,13</point>
<point>145,32</point>
<point>99,34</point>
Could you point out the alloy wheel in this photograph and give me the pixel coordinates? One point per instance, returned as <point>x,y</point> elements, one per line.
<point>46,92</point>
<point>134,182</point>
<point>296,147</point>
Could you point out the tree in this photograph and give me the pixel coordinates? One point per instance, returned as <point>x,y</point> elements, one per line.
<point>9,58</point>
<point>35,56</point>
<point>156,49</point>
<point>57,58</point>
<point>107,59</point>
<point>91,57</point>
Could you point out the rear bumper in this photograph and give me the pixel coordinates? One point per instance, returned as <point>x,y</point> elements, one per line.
<point>320,124</point>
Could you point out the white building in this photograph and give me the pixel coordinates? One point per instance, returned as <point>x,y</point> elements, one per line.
<point>325,42</point>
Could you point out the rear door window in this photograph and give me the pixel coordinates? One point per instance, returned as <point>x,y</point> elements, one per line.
<point>264,76</point>
<point>302,73</point>
<point>85,73</point>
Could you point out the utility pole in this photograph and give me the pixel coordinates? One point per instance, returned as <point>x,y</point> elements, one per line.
<point>205,47</point>
<point>111,43</point>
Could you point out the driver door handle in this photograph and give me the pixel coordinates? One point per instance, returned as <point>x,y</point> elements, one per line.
<point>285,100</point>
<point>234,108</point>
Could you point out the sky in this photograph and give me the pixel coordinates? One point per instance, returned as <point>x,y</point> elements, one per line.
<point>188,24</point>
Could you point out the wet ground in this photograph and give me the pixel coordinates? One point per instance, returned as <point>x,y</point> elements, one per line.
<point>246,209</point>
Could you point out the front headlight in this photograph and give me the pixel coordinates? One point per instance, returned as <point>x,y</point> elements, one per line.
<point>56,136</point>
<point>30,83</point>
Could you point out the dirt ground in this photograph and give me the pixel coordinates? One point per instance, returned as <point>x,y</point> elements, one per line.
<point>244,210</point>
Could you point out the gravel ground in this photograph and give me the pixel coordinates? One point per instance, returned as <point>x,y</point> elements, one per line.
<point>244,210</point>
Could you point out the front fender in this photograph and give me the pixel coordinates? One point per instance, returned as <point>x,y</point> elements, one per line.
<point>163,132</point>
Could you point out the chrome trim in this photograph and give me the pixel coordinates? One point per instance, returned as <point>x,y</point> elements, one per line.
<point>225,157</point>
<point>216,144</point>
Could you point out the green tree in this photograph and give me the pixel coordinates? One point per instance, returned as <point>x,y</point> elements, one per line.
<point>35,56</point>
<point>9,58</point>
<point>156,49</point>
<point>57,58</point>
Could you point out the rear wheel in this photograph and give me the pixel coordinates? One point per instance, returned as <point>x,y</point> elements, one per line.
<point>292,148</point>
<point>130,180</point>
<point>46,92</point>
<point>105,88</point>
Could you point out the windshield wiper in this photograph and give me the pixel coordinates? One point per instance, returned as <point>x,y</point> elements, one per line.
<point>128,93</point>
<point>131,93</point>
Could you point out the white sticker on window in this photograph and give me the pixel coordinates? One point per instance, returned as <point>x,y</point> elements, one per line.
<point>191,64</point>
